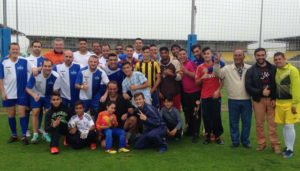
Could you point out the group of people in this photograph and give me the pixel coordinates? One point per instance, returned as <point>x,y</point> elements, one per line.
<point>137,94</point>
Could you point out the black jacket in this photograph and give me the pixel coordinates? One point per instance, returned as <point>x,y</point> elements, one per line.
<point>254,85</point>
<point>55,112</point>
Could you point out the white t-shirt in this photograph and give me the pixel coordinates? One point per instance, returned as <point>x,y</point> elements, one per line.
<point>81,124</point>
<point>136,55</point>
<point>102,62</point>
<point>80,59</point>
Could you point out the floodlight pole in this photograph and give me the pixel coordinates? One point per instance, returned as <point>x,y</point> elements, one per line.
<point>192,38</point>
<point>261,20</point>
<point>193,17</point>
<point>4,14</point>
<point>17,21</point>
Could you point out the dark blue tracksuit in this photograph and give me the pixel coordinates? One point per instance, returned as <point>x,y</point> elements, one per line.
<point>155,129</point>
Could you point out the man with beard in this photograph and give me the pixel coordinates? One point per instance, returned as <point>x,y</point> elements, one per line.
<point>170,78</point>
<point>175,51</point>
<point>91,81</point>
<point>260,84</point>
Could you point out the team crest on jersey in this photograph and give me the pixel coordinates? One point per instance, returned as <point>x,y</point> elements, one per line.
<point>20,68</point>
<point>73,72</point>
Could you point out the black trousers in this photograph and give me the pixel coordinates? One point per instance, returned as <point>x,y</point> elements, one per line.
<point>78,143</point>
<point>192,111</point>
<point>171,127</point>
<point>61,129</point>
<point>211,109</point>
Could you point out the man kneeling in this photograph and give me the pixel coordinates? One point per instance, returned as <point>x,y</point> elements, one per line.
<point>155,128</point>
<point>82,128</point>
<point>56,121</point>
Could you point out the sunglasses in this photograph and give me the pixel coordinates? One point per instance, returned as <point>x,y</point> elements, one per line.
<point>119,48</point>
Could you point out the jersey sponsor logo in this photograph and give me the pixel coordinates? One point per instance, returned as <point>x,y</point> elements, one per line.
<point>50,82</point>
<point>73,72</point>
<point>85,79</point>
<point>38,85</point>
<point>97,78</point>
<point>8,70</point>
<point>63,73</point>
<point>20,68</point>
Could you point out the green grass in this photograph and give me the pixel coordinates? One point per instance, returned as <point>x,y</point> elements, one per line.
<point>183,155</point>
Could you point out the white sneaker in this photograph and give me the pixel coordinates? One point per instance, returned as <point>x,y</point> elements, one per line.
<point>28,134</point>
<point>42,131</point>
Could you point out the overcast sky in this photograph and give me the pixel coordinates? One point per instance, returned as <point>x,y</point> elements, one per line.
<point>156,19</point>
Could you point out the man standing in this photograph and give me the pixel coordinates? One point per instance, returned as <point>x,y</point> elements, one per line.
<point>57,55</point>
<point>190,96</point>
<point>40,88</point>
<point>260,84</point>
<point>113,72</point>
<point>68,73</point>
<point>138,44</point>
<point>287,101</point>
<point>105,52</point>
<point>14,73</point>
<point>91,81</point>
<point>175,51</point>
<point>96,48</point>
<point>154,55</point>
<point>239,102</point>
<point>134,82</point>
<point>119,50</point>
<point>170,78</point>
<point>197,52</point>
<point>129,56</point>
<point>82,56</point>
<point>151,71</point>
<point>35,57</point>
<point>36,60</point>
<point>210,98</point>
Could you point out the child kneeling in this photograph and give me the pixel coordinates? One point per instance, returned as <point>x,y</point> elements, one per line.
<point>107,125</point>
<point>172,118</point>
<point>56,121</point>
<point>82,129</point>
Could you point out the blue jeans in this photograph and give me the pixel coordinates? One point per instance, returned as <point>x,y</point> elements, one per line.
<point>240,109</point>
<point>114,132</point>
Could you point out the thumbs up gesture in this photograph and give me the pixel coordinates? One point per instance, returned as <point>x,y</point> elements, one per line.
<point>266,91</point>
<point>217,58</point>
